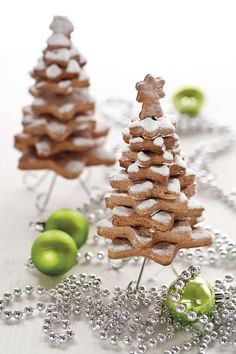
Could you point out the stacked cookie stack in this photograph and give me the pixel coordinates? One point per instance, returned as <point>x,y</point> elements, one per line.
<point>59,129</point>
<point>154,213</point>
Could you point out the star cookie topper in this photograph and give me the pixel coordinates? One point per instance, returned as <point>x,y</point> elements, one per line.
<point>150,90</point>
<point>61,24</point>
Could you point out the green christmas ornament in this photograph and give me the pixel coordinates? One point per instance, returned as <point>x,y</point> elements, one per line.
<point>54,252</point>
<point>188,100</point>
<point>70,221</point>
<point>190,296</point>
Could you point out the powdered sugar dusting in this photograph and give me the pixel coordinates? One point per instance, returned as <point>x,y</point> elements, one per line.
<point>141,187</point>
<point>66,108</point>
<point>143,157</point>
<point>167,251</point>
<point>133,168</point>
<point>104,223</point>
<point>161,170</point>
<point>38,102</point>
<point>62,54</point>
<point>58,40</point>
<point>168,156</point>
<point>146,204</point>
<point>162,217</point>
<point>73,67</point>
<point>173,185</point>
<point>122,211</point>
<point>53,71</point>
<point>194,204</point>
<point>180,162</point>
<point>159,141</point>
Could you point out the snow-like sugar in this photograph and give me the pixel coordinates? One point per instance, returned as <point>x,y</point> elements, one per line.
<point>146,204</point>
<point>168,156</point>
<point>57,127</point>
<point>159,141</point>
<point>104,223</point>
<point>161,170</point>
<point>80,141</point>
<point>38,102</point>
<point>122,211</point>
<point>40,65</point>
<point>74,166</point>
<point>133,168</point>
<point>162,217</point>
<point>66,108</point>
<point>58,39</point>
<point>43,148</point>
<point>167,251</point>
<point>74,51</point>
<point>182,198</point>
<point>136,140</point>
<point>125,131</point>
<point>64,83</point>
<point>189,172</point>
<point>180,162</point>
<point>143,157</point>
<point>141,187</point>
<point>151,125</point>
<point>194,204</point>
<point>122,246</point>
<point>73,67</point>
<point>119,176</point>
<point>62,54</point>
<point>173,185</point>
<point>53,71</point>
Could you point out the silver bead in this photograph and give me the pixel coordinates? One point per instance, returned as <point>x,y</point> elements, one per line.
<point>175,297</point>
<point>186,275</point>
<point>40,290</point>
<point>52,336</point>
<point>17,314</point>
<point>40,306</point>
<point>88,256</point>
<point>113,340</point>
<point>127,340</point>
<point>62,338</point>
<point>17,292</point>
<point>28,310</point>
<point>7,315</point>
<point>180,308</point>
<point>192,316</point>
<point>7,297</point>
<point>29,289</point>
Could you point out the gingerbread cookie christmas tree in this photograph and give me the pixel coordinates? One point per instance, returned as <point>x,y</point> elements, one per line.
<point>60,132</point>
<point>154,212</point>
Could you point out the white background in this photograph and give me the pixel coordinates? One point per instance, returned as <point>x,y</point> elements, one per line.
<point>186,42</point>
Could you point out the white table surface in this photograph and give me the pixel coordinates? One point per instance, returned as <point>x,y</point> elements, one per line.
<point>123,42</point>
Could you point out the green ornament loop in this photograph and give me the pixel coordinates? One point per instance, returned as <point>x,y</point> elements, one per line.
<point>188,100</point>
<point>197,297</point>
<point>54,252</point>
<point>70,221</point>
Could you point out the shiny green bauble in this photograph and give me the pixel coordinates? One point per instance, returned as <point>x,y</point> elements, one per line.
<point>188,100</point>
<point>54,252</point>
<point>197,295</point>
<point>70,221</point>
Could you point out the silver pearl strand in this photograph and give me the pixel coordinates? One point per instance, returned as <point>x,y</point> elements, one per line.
<point>134,318</point>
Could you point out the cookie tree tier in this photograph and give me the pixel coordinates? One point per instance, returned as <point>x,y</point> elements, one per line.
<point>60,132</point>
<point>154,212</point>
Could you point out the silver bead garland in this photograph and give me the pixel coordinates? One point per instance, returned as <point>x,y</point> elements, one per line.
<point>134,318</point>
